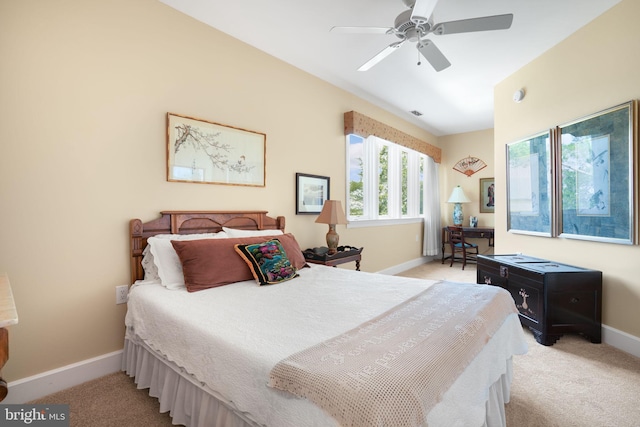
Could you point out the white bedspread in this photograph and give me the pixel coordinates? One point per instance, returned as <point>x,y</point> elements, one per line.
<point>231,336</point>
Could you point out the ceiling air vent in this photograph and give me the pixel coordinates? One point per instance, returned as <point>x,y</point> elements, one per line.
<point>416,113</point>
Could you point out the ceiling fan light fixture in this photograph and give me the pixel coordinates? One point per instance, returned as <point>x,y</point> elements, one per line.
<point>413,34</point>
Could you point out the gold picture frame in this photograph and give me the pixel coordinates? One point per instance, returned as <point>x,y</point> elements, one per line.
<point>206,152</point>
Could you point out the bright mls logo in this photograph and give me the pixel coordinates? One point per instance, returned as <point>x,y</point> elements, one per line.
<point>34,415</point>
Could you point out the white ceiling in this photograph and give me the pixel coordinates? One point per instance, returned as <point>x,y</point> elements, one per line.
<point>457,99</point>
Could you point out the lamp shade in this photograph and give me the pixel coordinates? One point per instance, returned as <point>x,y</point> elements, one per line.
<point>458,196</point>
<point>332,213</point>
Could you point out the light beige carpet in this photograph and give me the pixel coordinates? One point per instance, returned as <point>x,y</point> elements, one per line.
<point>572,383</point>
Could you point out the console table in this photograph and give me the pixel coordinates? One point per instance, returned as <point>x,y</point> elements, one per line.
<point>552,298</point>
<point>8,316</point>
<point>469,232</point>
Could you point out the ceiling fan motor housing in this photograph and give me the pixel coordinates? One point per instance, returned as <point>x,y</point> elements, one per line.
<point>407,29</point>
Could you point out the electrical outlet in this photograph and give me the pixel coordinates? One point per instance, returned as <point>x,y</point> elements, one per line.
<point>122,293</point>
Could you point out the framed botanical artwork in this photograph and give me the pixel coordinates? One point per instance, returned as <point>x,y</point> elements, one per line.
<point>211,153</point>
<point>596,176</point>
<point>311,193</point>
<point>487,195</point>
<point>530,185</point>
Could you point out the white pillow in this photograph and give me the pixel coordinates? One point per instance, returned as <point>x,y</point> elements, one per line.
<point>165,258</point>
<point>148,265</point>
<point>234,232</point>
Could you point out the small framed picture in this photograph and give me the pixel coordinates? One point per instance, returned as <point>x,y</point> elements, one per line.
<point>487,191</point>
<point>311,193</point>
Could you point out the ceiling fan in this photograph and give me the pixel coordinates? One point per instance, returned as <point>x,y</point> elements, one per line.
<point>416,23</point>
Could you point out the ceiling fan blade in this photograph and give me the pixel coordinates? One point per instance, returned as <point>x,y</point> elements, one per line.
<point>432,54</point>
<point>361,30</point>
<point>422,10</point>
<point>380,56</point>
<point>486,23</point>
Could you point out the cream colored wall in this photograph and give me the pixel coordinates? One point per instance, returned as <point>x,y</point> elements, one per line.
<point>85,89</point>
<point>459,146</point>
<point>588,72</point>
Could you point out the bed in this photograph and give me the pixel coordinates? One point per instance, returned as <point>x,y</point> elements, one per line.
<point>317,346</point>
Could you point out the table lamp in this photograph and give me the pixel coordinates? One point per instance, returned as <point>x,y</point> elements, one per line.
<point>332,214</point>
<point>458,197</point>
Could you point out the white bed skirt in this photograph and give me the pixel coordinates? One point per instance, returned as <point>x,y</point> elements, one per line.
<point>193,404</point>
<point>189,402</point>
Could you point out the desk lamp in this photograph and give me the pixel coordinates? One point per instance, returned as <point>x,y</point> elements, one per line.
<point>458,197</point>
<point>332,214</point>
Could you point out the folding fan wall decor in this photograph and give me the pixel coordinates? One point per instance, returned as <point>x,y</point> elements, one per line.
<point>469,165</point>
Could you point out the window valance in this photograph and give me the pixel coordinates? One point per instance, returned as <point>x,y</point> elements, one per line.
<point>359,124</point>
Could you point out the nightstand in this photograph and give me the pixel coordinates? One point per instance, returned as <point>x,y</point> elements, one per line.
<point>344,255</point>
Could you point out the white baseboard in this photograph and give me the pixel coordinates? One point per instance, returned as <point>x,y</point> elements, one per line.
<point>37,386</point>
<point>621,340</point>
<point>406,265</point>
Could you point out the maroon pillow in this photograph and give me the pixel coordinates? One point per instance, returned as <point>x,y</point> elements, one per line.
<point>292,248</point>
<point>209,263</point>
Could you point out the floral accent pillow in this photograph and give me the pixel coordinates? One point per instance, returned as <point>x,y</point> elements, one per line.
<point>267,261</point>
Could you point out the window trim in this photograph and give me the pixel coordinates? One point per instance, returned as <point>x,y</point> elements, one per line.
<point>370,183</point>
<point>361,223</point>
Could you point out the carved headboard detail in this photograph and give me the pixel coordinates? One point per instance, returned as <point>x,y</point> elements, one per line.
<point>191,222</point>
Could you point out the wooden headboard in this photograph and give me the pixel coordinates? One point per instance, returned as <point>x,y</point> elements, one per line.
<point>191,222</point>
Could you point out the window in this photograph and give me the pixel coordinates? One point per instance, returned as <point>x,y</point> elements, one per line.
<point>385,181</point>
